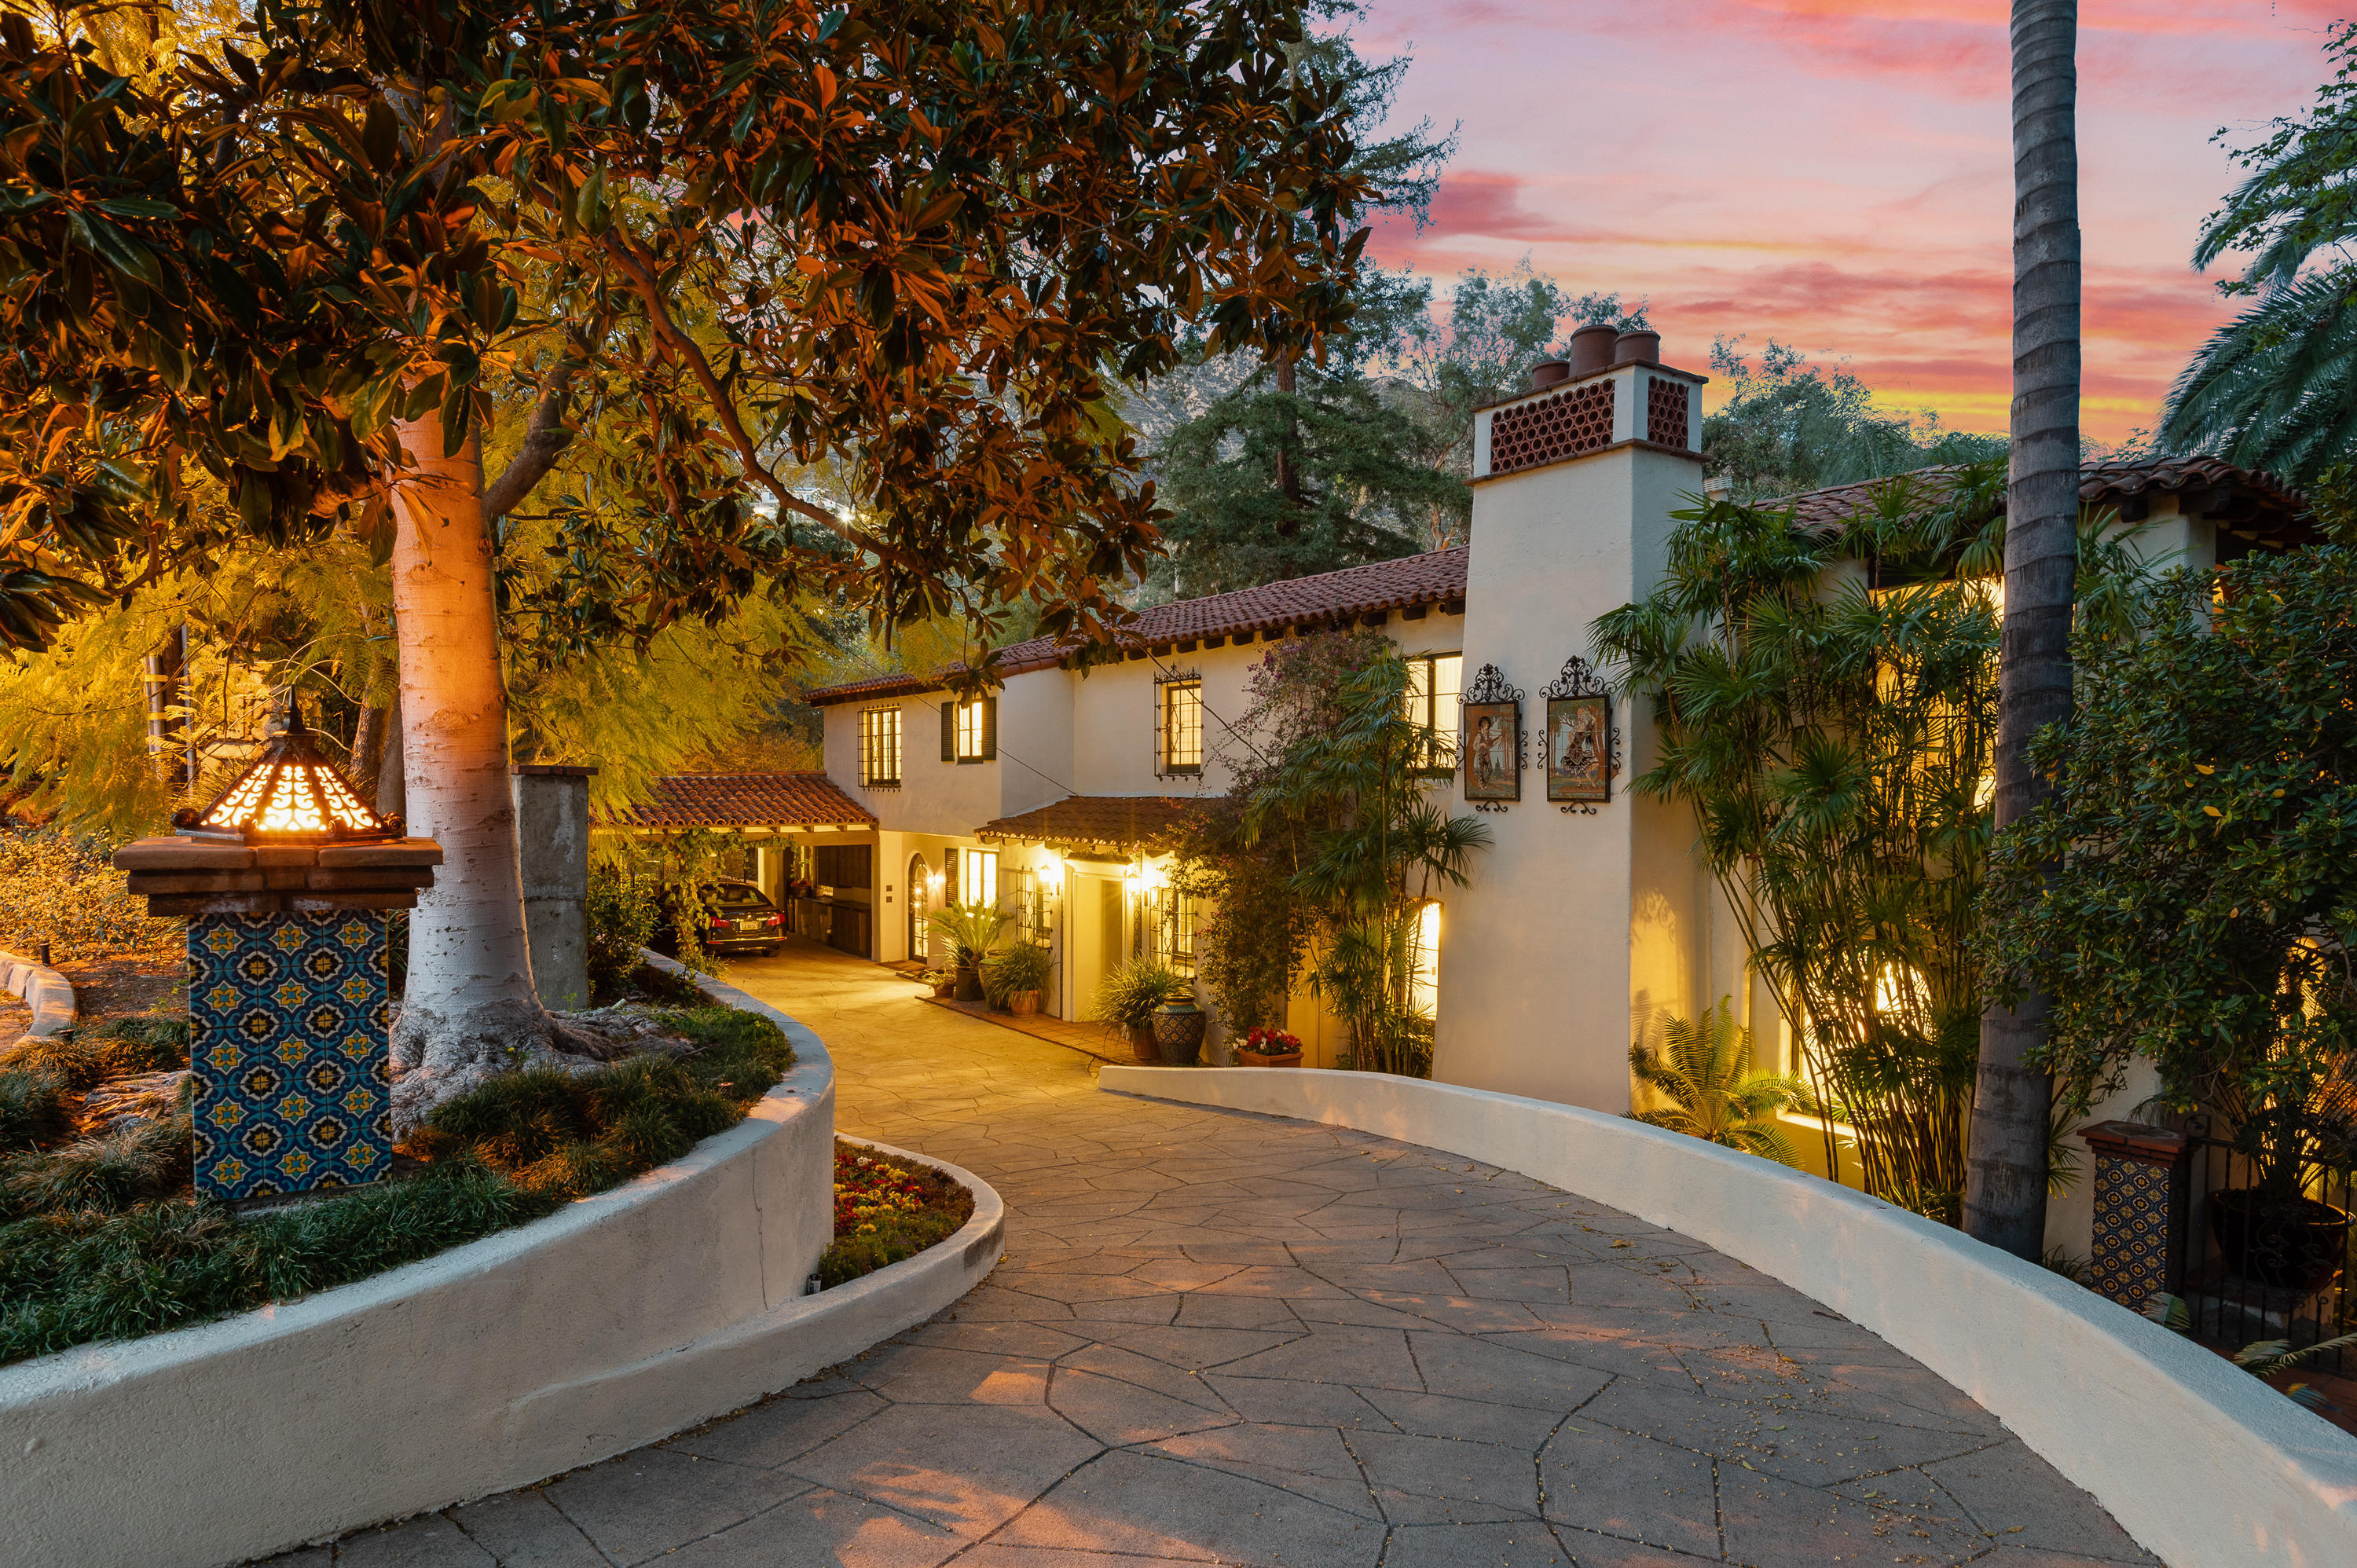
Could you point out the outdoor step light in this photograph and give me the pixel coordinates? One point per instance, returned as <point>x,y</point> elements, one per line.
<point>287,881</point>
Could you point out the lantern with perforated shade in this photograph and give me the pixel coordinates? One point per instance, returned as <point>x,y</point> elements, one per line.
<point>292,794</point>
<point>285,880</point>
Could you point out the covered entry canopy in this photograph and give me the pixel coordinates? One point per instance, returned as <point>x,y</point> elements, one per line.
<point>1125,822</point>
<point>780,802</point>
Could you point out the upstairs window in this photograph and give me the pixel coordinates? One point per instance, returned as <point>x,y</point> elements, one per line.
<point>1435,682</point>
<point>970,729</point>
<point>1178,735</point>
<point>879,748</point>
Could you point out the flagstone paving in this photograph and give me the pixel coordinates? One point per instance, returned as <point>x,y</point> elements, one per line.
<point>1219,1338</point>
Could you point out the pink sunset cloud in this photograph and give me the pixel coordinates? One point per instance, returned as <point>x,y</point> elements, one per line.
<point>1837,174</point>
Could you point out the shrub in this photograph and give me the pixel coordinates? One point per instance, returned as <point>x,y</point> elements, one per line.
<point>621,921</point>
<point>885,1210</point>
<point>69,1277</point>
<point>63,889</point>
<point>2184,895</point>
<point>972,930</point>
<point>571,1135</point>
<point>33,1112</point>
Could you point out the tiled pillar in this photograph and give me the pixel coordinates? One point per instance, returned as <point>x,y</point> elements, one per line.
<point>287,1021</point>
<point>2142,1201</point>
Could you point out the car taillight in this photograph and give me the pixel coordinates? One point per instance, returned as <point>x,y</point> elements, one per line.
<point>721,926</point>
<point>775,920</point>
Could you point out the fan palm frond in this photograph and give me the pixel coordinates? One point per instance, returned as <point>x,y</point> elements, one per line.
<point>1705,1070</point>
<point>2275,388</point>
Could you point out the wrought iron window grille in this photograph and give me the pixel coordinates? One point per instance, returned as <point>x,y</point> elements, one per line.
<point>1177,736</point>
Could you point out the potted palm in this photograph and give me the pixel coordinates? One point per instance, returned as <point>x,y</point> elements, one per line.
<point>1130,998</point>
<point>941,982</point>
<point>972,931</point>
<point>1013,976</point>
<point>1265,1046</point>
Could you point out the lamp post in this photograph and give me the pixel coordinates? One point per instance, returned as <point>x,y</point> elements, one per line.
<point>285,881</point>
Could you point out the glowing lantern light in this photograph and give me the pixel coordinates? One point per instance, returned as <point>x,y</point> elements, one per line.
<point>292,794</point>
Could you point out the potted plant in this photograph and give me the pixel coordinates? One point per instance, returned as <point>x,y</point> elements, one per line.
<point>1130,998</point>
<point>943,982</point>
<point>972,931</point>
<point>1178,1030</point>
<point>2292,1107</point>
<point>1013,976</point>
<point>1265,1046</point>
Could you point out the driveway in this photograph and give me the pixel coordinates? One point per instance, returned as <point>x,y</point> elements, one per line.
<point>1220,1338</point>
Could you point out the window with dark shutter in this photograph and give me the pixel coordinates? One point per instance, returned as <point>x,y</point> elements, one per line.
<point>949,732</point>
<point>989,729</point>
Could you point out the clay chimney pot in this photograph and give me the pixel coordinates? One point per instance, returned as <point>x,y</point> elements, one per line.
<point>1546,373</point>
<point>1591,349</point>
<point>1637,348</point>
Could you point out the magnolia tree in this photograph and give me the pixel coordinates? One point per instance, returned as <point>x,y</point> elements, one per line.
<point>307,279</point>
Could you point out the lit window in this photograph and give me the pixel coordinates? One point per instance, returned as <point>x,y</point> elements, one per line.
<point>973,729</point>
<point>1176,917</point>
<point>1434,683</point>
<point>977,872</point>
<point>1182,726</point>
<point>879,747</point>
<point>1424,962</point>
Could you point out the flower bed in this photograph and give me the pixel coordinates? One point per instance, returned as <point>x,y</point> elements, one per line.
<point>102,1237</point>
<point>885,1210</point>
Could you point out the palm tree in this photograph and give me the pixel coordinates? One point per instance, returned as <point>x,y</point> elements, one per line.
<point>2275,388</point>
<point>1707,1073</point>
<point>2004,1174</point>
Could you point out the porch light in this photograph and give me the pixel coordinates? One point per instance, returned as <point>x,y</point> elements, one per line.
<point>1051,876</point>
<point>292,794</point>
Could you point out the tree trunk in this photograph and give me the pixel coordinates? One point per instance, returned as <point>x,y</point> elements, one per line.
<point>368,728</point>
<point>470,1012</point>
<point>2005,1180</point>
<point>167,667</point>
<point>392,788</point>
<point>1288,478</point>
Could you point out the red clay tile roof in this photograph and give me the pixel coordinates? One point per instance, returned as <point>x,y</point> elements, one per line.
<point>2257,502</point>
<point>1120,822</point>
<point>1433,578</point>
<point>745,800</point>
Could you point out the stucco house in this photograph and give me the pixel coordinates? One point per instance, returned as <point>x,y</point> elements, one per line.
<point>1580,926</point>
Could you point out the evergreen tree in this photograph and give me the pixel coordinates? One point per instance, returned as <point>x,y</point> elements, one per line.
<point>1790,426</point>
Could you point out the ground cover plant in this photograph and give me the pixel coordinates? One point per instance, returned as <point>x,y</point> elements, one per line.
<point>102,1237</point>
<point>63,889</point>
<point>885,1210</point>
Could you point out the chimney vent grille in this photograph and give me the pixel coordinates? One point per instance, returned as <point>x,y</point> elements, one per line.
<point>1665,412</point>
<point>1547,429</point>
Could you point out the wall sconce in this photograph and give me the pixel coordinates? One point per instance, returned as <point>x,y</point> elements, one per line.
<point>1051,876</point>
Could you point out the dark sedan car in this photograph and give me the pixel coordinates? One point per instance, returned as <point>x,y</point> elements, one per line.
<point>743,920</point>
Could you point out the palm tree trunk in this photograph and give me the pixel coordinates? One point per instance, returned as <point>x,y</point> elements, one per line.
<point>2005,1177</point>
<point>470,1011</point>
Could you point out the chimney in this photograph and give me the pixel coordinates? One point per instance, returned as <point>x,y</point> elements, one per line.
<point>1591,349</point>
<point>1548,373</point>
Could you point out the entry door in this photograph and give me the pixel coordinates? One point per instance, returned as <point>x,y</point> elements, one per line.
<point>1092,935</point>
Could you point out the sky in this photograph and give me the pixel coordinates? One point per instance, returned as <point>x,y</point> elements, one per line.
<point>1836,175</point>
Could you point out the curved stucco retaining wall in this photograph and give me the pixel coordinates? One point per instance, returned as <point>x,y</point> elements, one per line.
<point>44,990</point>
<point>618,1321</point>
<point>2201,1462</point>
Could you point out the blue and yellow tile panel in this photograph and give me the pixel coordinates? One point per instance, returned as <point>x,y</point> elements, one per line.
<point>288,1015</point>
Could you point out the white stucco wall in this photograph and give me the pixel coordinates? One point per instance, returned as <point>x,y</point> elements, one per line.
<point>2201,1462</point>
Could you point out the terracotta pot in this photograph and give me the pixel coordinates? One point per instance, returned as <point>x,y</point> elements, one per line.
<point>1548,373</point>
<point>1023,1003</point>
<point>1253,1059</point>
<point>1142,1048</point>
<point>969,983</point>
<point>1591,349</point>
<point>1179,1032</point>
<point>1638,348</point>
<point>2291,1243</point>
<point>946,989</point>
